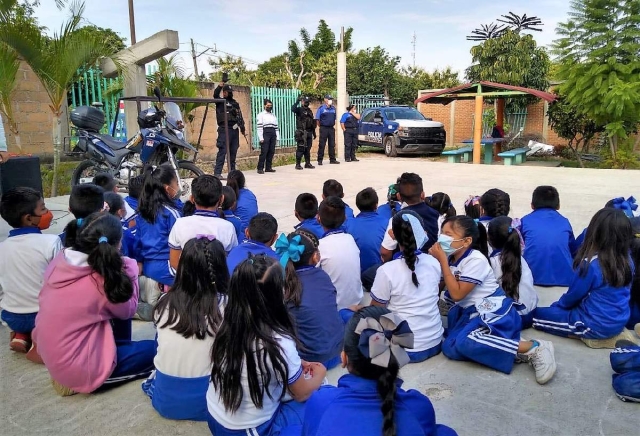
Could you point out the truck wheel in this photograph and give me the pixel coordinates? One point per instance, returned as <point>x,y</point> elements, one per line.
<point>390,147</point>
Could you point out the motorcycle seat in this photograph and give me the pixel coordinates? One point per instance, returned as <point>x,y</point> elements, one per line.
<point>112,143</point>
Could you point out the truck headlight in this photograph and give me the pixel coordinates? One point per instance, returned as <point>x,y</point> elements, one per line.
<point>403,131</point>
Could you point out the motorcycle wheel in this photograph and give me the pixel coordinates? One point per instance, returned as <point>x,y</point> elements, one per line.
<point>188,171</point>
<point>87,169</point>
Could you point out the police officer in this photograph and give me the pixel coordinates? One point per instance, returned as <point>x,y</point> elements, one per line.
<point>305,131</point>
<point>269,135</point>
<point>326,119</point>
<point>235,126</point>
<point>349,124</point>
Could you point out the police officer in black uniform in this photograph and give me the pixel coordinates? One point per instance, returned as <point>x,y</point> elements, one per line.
<point>235,126</point>
<point>305,132</point>
<point>349,124</point>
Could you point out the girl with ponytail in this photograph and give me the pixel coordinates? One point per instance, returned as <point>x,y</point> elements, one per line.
<point>510,268</point>
<point>188,318</point>
<point>369,400</point>
<point>83,329</point>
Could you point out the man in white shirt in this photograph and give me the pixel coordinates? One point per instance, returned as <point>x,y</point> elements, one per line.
<point>269,135</point>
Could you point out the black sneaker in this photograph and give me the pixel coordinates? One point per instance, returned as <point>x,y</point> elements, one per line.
<point>309,166</point>
<point>334,162</point>
<point>353,159</point>
<point>320,163</point>
<point>347,160</point>
<point>260,172</point>
<point>298,167</point>
<point>270,171</point>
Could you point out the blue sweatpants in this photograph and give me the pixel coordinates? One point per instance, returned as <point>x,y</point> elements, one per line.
<point>625,361</point>
<point>421,356</point>
<point>288,414</point>
<point>570,323</point>
<point>19,322</point>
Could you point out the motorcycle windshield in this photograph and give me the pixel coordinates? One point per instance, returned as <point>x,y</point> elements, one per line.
<point>174,116</point>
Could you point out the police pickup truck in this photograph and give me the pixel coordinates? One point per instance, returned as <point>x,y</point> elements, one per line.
<point>400,130</point>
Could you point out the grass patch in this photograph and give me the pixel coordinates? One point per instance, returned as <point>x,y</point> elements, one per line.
<point>65,172</point>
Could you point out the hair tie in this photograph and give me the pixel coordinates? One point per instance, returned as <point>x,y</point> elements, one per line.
<point>289,249</point>
<point>472,201</point>
<point>381,339</point>
<point>210,238</point>
<point>418,231</point>
<point>103,240</point>
<point>79,221</point>
<point>628,206</point>
<point>516,224</point>
<point>476,220</point>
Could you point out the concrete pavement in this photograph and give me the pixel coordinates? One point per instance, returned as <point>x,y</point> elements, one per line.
<point>470,398</point>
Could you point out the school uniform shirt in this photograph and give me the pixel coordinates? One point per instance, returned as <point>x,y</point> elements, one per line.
<point>247,206</point>
<point>131,206</point>
<point>237,224</point>
<point>340,258</point>
<point>152,242</point>
<point>129,246</point>
<point>430,219</point>
<point>24,257</point>
<point>526,291</point>
<point>474,268</point>
<point>249,247</point>
<point>318,325</point>
<point>385,210</point>
<point>248,416</point>
<point>353,408</point>
<point>368,230</point>
<point>312,225</point>
<point>267,120</point>
<point>206,223</point>
<point>548,237</point>
<point>394,288</point>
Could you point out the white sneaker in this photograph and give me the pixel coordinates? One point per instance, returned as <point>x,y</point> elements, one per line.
<point>543,360</point>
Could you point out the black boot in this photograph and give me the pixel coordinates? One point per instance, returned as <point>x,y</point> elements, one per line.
<point>309,166</point>
<point>298,166</point>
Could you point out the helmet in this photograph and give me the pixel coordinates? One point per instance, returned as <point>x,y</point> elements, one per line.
<point>149,118</point>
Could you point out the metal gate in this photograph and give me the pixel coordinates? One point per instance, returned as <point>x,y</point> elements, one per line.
<point>514,120</point>
<point>282,100</point>
<point>363,102</point>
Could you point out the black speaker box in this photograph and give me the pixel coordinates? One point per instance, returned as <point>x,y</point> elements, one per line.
<point>21,171</point>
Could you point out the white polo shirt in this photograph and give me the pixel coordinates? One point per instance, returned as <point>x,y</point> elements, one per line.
<point>248,416</point>
<point>394,287</point>
<point>528,294</point>
<point>340,258</point>
<point>23,261</point>
<point>474,268</point>
<point>204,223</point>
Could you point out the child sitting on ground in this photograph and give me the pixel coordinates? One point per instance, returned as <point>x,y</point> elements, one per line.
<point>255,361</point>
<point>548,237</point>
<point>368,229</point>
<point>247,204</point>
<point>84,200</point>
<point>206,194</point>
<point>259,237</point>
<point>441,202</point>
<point>131,201</point>
<point>83,329</point>
<point>472,207</point>
<point>369,399</point>
<point>188,318</point>
<point>409,286</point>
<point>493,203</point>
<point>634,301</point>
<point>116,204</point>
<point>24,257</point>
<point>392,206</point>
<point>306,211</point>
<point>333,188</point>
<point>228,207</point>
<point>311,299</point>
<point>484,326</point>
<point>340,256</point>
<point>117,208</point>
<point>510,268</point>
<point>106,181</point>
<point>595,308</point>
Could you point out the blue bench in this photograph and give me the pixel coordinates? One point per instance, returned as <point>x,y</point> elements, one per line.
<point>455,156</point>
<point>515,156</point>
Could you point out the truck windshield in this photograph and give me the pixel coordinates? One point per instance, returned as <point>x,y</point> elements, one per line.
<point>403,113</point>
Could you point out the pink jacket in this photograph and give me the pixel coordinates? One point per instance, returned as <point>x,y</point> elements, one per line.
<point>73,332</point>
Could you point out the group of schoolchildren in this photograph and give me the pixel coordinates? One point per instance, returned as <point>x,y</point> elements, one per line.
<point>249,321</point>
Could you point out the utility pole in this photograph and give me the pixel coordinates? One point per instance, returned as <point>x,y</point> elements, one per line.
<point>413,54</point>
<point>195,59</point>
<point>342,92</point>
<point>132,23</point>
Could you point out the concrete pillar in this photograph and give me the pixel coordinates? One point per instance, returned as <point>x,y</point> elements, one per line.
<point>452,124</point>
<point>341,103</point>
<point>545,122</point>
<point>477,131</point>
<point>135,83</point>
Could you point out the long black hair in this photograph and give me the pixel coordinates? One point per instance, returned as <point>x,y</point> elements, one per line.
<point>293,285</point>
<point>609,237</point>
<point>193,304</point>
<point>360,365</point>
<point>635,256</point>
<point>495,202</point>
<point>254,314</point>
<point>403,232</point>
<point>154,195</point>
<point>237,181</point>
<point>104,255</point>
<point>442,203</point>
<point>503,237</point>
<point>471,229</point>
<point>472,207</point>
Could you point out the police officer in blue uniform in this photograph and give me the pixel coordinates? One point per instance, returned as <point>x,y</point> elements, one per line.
<point>349,124</point>
<point>305,131</point>
<point>235,126</point>
<point>326,119</point>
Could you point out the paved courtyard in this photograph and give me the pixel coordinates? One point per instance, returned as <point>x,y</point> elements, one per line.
<point>471,399</point>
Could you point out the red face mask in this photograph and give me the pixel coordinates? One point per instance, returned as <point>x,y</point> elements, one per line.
<point>45,220</point>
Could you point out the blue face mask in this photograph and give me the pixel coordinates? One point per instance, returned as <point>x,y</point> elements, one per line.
<point>445,242</point>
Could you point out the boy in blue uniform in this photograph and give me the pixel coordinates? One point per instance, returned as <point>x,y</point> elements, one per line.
<point>228,209</point>
<point>368,228</point>
<point>260,236</point>
<point>333,188</point>
<point>326,119</point>
<point>548,238</point>
<point>84,200</point>
<point>306,211</point>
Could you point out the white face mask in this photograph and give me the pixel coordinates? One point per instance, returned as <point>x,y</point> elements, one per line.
<point>329,102</point>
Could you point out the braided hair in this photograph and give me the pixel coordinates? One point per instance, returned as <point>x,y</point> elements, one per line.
<point>293,285</point>
<point>442,203</point>
<point>495,203</point>
<point>403,232</point>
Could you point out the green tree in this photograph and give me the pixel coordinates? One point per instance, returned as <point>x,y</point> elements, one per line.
<point>371,71</point>
<point>599,63</point>
<point>55,61</point>
<point>234,66</point>
<point>511,58</point>
<point>114,41</point>
<point>409,80</point>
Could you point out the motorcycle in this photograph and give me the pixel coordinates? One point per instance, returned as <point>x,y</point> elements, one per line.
<point>160,140</point>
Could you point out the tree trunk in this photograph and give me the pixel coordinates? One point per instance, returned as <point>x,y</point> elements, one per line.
<point>57,147</point>
<point>576,153</point>
<point>612,146</point>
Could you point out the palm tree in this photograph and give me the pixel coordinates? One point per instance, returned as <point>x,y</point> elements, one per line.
<point>9,65</point>
<point>55,61</point>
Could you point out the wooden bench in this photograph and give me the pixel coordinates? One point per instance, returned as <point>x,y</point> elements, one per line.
<point>455,156</point>
<point>515,156</point>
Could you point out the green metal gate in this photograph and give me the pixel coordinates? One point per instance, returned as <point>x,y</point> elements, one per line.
<point>282,100</point>
<point>363,102</point>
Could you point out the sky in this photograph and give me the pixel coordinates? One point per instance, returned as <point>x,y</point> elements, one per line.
<point>260,29</point>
